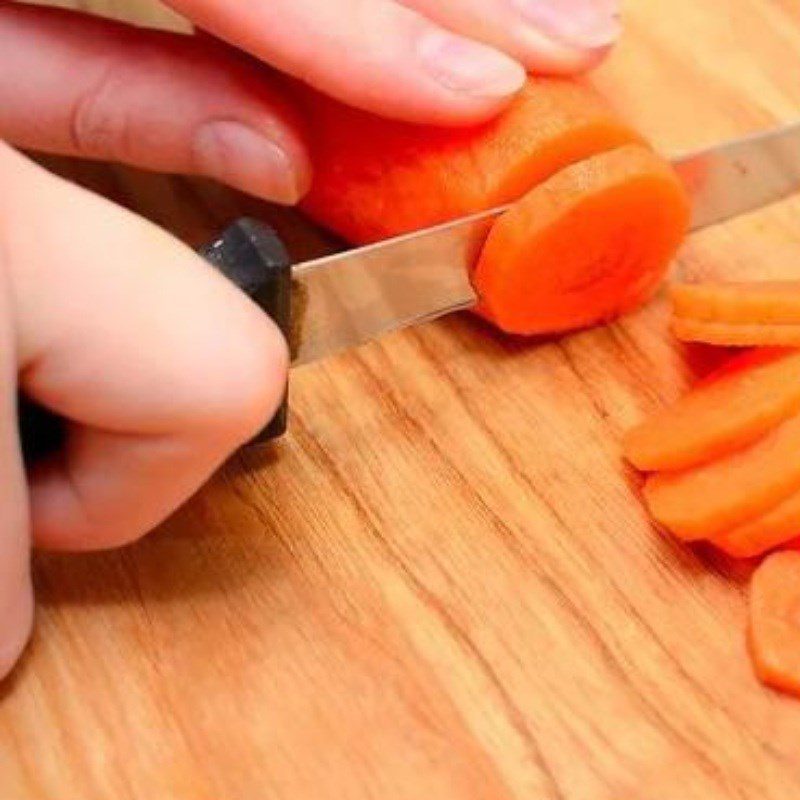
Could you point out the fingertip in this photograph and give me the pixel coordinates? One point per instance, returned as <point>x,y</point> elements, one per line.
<point>258,370</point>
<point>242,157</point>
<point>478,80</point>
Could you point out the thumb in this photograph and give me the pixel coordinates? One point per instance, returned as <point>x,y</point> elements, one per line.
<point>160,366</point>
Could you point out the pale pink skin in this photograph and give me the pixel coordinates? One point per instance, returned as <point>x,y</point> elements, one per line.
<point>158,392</point>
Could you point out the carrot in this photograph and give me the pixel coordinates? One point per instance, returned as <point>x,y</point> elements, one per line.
<point>757,303</point>
<point>792,544</point>
<point>777,527</point>
<point>731,408</point>
<point>588,244</point>
<point>705,501</point>
<point>736,334</point>
<point>377,178</point>
<point>774,630</point>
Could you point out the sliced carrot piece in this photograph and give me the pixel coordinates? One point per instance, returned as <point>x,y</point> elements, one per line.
<point>705,501</point>
<point>731,408</point>
<point>774,630</point>
<point>588,244</point>
<point>736,334</point>
<point>375,178</point>
<point>756,303</point>
<point>777,527</point>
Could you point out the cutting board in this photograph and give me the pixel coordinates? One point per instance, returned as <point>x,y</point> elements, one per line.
<point>441,585</point>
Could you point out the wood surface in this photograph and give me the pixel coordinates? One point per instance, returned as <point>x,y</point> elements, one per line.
<point>441,585</point>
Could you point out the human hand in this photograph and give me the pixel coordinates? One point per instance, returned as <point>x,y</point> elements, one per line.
<point>160,365</point>
<point>79,85</point>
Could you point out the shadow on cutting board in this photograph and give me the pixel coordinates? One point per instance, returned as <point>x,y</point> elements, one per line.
<point>211,547</point>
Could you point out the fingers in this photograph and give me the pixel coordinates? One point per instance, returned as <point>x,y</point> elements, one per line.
<point>554,36</point>
<point>375,54</point>
<point>16,600</point>
<point>82,86</point>
<point>162,365</point>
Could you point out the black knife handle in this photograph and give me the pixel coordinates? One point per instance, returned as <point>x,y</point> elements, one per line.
<point>252,256</point>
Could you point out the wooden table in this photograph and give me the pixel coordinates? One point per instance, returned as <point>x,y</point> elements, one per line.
<point>441,585</point>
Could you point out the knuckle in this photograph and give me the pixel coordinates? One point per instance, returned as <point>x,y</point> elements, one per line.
<point>98,124</point>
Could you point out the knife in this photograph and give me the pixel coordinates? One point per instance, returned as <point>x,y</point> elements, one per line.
<point>340,301</point>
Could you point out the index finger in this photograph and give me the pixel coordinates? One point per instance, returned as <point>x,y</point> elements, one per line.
<point>375,54</point>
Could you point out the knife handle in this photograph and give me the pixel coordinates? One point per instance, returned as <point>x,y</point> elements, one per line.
<point>248,253</point>
<point>251,255</point>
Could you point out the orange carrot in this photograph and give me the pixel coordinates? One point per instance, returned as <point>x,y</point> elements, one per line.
<point>705,501</point>
<point>731,408</point>
<point>377,178</point>
<point>736,334</point>
<point>774,630</point>
<point>756,303</point>
<point>585,246</point>
<point>780,526</point>
<point>792,544</point>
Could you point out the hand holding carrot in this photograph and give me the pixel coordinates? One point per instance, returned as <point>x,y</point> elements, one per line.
<point>185,104</point>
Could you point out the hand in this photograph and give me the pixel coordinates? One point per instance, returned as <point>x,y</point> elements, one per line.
<point>79,85</point>
<point>161,366</point>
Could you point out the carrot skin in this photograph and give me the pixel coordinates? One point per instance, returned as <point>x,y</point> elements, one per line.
<point>377,178</point>
<point>754,303</point>
<point>777,528</point>
<point>726,334</point>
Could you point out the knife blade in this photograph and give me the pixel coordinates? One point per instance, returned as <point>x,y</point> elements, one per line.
<point>344,300</point>
<point>347,299</point>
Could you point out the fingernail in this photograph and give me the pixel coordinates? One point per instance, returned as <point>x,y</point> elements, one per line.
<point>242,157</point>
<point>462,65</point>
<point>588,24</point>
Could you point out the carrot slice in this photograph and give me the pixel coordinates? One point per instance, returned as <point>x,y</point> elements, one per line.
<point>731,408</point>
<point>588,244</point>
<point>757,303</point>
<point>777,527</point>
<point>376,178</point>
<point>705,501</point>
<point>736,334</point>
<point>774,630</point>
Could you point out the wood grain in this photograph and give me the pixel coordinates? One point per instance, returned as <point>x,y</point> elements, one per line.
<point>441,584</point>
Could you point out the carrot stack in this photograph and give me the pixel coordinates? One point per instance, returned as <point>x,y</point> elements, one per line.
<point>726,457</point>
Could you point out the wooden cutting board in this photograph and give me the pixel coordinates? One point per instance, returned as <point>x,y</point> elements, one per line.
<point>441,585</point>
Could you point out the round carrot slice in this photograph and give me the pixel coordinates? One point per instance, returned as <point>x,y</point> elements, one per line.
<point>729,334</point>
<point>588,244</point>
<point>774,630</point>
<point>756,303</point>
<point>705,501</point>
<point>731,408</point>
<point>778,527</point>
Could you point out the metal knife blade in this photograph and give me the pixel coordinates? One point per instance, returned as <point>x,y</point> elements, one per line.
<point>347,299</point>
